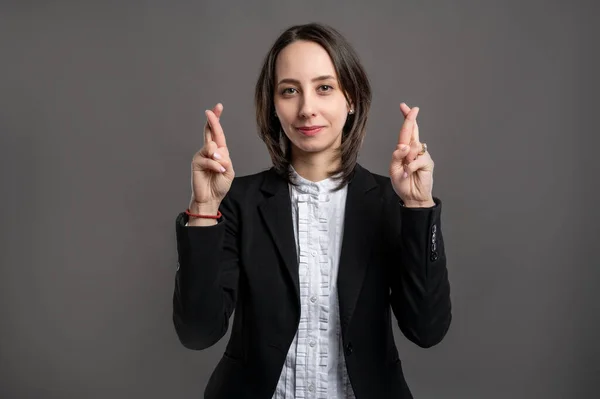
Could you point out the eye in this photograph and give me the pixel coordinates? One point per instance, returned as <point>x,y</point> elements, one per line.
<point>288,90</point>
<point>325,88</point>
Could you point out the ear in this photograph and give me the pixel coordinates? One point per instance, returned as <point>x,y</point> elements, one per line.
<point>350,105</point>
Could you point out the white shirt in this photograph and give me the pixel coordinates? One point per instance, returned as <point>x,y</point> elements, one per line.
<point>315,367</point>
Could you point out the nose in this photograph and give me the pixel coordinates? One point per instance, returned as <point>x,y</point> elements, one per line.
<point>307,107</point>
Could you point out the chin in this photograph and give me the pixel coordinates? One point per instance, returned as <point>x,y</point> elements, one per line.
<point>315,144</point>
<point>313,147</point>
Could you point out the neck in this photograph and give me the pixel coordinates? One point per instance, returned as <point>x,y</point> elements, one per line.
<point>314,167</point>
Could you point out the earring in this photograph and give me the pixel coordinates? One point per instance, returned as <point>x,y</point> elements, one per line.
<point>351,112</point>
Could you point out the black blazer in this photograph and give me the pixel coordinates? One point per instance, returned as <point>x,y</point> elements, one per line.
<point>392,260</point>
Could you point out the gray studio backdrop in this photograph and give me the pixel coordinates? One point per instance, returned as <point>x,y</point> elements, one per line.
<point>101,110</point>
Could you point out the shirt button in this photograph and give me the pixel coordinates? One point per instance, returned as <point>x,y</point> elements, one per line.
<point>314,253</point>
<point>312,344</point>
<point>313,298</point>
<point>311,388</point>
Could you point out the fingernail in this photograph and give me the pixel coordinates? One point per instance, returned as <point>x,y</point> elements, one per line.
<point>222,169</point>
<point>216,155</point>
<point>405,175</point>
<point>403,147</point>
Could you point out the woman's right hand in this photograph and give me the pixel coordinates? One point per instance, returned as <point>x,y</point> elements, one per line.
<point>212,170</point>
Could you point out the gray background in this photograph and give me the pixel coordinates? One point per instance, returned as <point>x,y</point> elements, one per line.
<point>101,110</point>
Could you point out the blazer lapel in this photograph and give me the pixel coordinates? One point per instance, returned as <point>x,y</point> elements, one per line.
<point>363,210</point>
<point>276,211</point>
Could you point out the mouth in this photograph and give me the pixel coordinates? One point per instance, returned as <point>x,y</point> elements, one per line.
<point>309,130</point>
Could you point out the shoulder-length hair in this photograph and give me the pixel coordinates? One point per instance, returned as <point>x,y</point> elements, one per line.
<point>354,84</point>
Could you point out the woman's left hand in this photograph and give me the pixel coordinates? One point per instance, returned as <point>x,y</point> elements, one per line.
<point>411,169</point>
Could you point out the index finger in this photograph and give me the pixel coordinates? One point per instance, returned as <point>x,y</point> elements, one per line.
<point>406,132</point>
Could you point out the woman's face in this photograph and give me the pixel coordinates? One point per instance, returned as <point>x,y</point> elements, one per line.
<point>309,101</point>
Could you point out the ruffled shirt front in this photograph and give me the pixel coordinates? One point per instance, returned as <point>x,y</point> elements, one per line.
<point>315,367</point>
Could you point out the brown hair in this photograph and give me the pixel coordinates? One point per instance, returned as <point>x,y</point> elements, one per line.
<point>352,79</point>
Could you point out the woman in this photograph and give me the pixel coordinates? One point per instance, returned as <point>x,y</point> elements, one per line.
<point>316,253</point>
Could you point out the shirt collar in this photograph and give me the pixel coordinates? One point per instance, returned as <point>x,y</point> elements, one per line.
<point>306,186</point>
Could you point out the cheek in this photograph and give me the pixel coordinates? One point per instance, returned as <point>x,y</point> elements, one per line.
<point>286,112</point>
<point>340,109</point>
<point>337,116</point>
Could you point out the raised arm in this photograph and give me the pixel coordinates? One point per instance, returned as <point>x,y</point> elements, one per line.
<point>420,290</point>
<point>208,271</point>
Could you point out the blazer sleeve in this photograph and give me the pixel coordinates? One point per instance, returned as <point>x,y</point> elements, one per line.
<point>207,276</point>
<point>420,289</point>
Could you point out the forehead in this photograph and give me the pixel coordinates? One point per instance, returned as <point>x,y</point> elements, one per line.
<point>303,60</point>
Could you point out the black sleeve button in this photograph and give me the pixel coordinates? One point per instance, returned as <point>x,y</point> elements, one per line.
<point>349,349</point>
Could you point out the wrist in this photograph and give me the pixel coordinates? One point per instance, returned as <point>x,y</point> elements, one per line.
<point>210,208</point>
<point>205,210</point>
<point>419,204</point>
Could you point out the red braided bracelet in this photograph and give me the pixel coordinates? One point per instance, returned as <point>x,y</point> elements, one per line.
<point>187,211</point>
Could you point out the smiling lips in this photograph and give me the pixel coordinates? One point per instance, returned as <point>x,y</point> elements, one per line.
<point>309,130</point>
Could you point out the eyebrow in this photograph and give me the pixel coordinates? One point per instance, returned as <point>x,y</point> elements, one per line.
<point>317,79</point>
